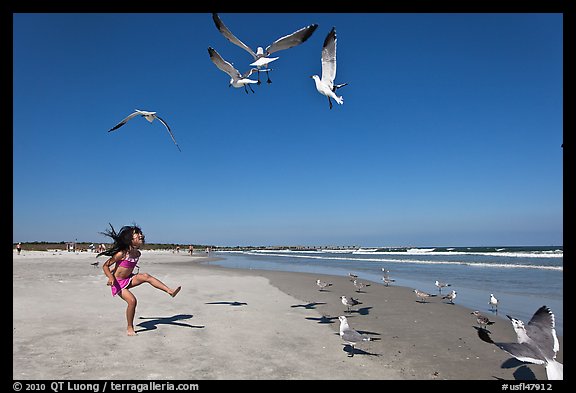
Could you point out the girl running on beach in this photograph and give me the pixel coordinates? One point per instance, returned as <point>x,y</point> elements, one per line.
<point>124,255</point>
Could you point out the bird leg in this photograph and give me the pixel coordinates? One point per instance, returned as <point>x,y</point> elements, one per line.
<point>251,88</point>
<point>258,77</point>
<point>267,75</point>
<point>330,102</point>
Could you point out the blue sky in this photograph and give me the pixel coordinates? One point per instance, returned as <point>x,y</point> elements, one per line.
<point>450,131</point>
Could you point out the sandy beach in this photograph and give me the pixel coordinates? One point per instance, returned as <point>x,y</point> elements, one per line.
<point>238,324</point>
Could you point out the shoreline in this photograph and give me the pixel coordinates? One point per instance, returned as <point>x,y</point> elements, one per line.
<point>239,324</point>
<point>519,303</point>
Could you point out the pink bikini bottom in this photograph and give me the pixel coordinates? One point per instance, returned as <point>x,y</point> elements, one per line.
<point>120,283</point>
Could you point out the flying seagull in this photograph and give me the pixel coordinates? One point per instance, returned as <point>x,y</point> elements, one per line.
<point>325,85</point>
<point>537,342</point>
<point>261,56</point>
<point>237,80</point>
<point>150,116</point>
<point>350,335</point>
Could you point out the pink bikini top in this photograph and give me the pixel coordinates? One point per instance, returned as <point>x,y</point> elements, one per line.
<point>129,262</point>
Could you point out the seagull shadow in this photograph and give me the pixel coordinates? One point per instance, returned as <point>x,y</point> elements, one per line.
<point>357,351</point>
<point>155,321</point>
<point>323,319</point>
<point>229,303</point>
<point>523,373</point>
<point>309,306</point>
<point>362,311</point>
<point>483,333</point>
<point>370,334</point>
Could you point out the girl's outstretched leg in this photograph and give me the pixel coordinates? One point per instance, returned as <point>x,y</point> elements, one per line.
<point>145,277</point>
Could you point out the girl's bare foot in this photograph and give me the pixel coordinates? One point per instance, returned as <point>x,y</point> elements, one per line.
<point>175,292</point>
<point>131,332</point>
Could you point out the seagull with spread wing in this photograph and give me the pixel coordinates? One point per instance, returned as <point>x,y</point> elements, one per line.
<point>262,56</point>
<point>150,116</point>
<point>537,342</point>
<point>237,80</point>
<point>325,85</point>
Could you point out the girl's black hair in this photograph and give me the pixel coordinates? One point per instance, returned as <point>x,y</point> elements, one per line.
<point>122,240</point>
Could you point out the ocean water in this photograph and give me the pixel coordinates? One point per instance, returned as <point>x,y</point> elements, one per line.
<point>521,278</point>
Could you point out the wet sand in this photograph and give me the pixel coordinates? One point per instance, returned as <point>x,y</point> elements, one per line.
<point>240,325</point>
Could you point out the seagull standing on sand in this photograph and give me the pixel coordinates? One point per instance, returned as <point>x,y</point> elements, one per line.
<point>352,276</point>
<point>360,285</point>
<point>422,295</point>
<point>441,285</point>
<point>481,319</point>
<point>450,297</point>
<point>322,284</point>
<point>261,56</point>
<point>493,302</point>
<point>237,80</point>
<point>537,342</point>
<point>350,335</point>
<point>387,280</point>
<point>349,302</point>
<point>325,85</point>
<point>150,116</point>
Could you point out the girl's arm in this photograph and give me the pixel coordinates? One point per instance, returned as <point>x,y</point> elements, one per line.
<point>106,267</point>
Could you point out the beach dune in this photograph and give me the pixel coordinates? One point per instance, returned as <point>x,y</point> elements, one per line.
<point>237,324</point>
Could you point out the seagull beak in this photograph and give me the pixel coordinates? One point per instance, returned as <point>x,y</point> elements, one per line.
<point>509,317</point>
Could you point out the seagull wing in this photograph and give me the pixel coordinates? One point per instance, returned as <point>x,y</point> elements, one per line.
<point>249,72</point>
<point>329,59</point>
<point>169,131</point>
<point>541,329</point>
<point>524,352</point>
<point>353,336</point>
<point>290,40</point>
<point>231,37</point>
<point>222,64</point>
<point>124,121</point>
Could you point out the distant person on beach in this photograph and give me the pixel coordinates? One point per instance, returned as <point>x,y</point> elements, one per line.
<point>191,249</point>
<point>124,255</point>
<point>19,248</point>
